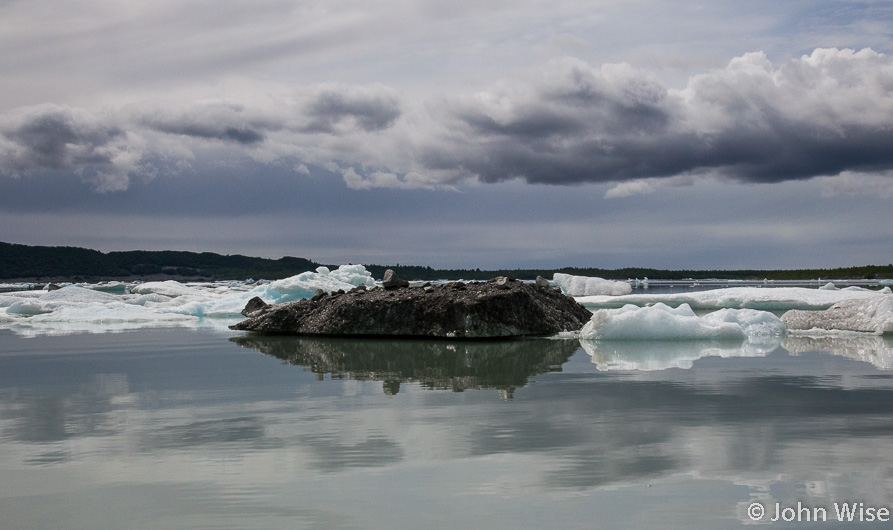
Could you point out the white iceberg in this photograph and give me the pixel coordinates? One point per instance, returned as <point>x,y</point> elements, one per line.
<point>346,277</point>
<point>873,315</point>
<point>662,322</point>
<point>766,299</point>
<point>590,286</point>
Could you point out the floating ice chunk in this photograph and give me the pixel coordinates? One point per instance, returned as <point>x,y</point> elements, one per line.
<point>873,315</point>
<point>763,298</point>
<point>590,286</point>
<point>756,325</point>
<point>107,287</point>
<point>661,322</point>
<point>149,299</point>
<point>167,288</point>
<point>345,277</point>
<point>658,322</point>
<point>829,287</point>
<point>26,308</point>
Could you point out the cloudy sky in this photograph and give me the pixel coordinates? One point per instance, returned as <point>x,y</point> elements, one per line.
<point>686,135</point>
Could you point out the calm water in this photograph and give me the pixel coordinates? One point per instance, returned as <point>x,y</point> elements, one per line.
<point>188,429</point>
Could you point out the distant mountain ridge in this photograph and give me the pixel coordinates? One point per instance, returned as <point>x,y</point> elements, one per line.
<point>26,262</point>
<point>41,263</point>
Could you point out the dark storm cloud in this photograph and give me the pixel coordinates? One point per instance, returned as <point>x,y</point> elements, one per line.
<point>818,115</point>
<point>221,120</point>
<point>49,137</point>
<point>368,109</point>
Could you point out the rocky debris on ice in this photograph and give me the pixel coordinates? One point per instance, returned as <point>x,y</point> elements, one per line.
<point>873,315</point>
<point>453,310</point>
<point>766,299</point>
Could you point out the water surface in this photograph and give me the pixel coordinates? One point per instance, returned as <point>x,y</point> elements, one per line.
<point>189,429</point>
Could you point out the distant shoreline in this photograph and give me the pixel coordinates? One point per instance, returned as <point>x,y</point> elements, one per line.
<point>42,264</point>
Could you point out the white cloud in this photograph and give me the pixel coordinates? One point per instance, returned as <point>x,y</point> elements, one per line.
<point>626,189</point>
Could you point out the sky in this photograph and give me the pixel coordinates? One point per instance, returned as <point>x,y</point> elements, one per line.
<point>491,134</point>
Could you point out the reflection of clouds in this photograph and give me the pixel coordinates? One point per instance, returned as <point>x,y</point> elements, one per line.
<point>661,355</point>
<point>874,349</point>
<point>86,412</point>
<point>377,450</point>
<point>199,433</point>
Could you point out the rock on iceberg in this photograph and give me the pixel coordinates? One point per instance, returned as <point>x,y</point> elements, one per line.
<point>874,315</point>
<point>662,322</point>
<point>590,286</point>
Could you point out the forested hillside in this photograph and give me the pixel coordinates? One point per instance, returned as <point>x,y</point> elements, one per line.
<point>72,263</point>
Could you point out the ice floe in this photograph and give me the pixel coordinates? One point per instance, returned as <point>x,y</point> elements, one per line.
<point>590,286</point>
<point>117,306</point>
<point>766,299</point>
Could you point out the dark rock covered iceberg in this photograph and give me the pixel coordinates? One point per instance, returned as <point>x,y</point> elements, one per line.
<point>497,308</point>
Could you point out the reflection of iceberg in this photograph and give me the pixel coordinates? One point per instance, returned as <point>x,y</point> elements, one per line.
<point>874,349</point>
<point>456,366</point>
<point>653,355</point>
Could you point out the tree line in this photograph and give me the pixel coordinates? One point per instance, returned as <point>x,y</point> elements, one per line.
<point>35,263</point>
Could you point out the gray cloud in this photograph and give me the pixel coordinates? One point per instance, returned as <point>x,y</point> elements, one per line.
<point>370,109</point>
<point>223,120</point>
<point>817,115</point>
<point>50,137</point>
<point>823,114</point>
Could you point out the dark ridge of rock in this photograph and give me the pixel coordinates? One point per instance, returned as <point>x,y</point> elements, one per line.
<point>254,306</point>
<point>456,310</point>
<point>542,282</point>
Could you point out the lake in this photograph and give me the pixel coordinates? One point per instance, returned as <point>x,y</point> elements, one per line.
<point>207,428</point>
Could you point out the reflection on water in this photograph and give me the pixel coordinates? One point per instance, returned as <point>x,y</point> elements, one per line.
<point>657,355</point>
<point>443,365</point>
<point>186,429</point>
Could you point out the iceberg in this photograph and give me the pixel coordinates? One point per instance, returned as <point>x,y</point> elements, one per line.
<point>762,298</point>
<point>346,277</point>
<point>873,316</point>
<point>662,322</point>
<point>659,337</point>
<point>590,286</point>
